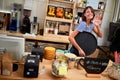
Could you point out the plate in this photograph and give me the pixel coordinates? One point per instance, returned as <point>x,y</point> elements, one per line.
<point>57,75</point>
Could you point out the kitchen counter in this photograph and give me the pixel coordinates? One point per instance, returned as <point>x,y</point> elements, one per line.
<point>73,74</point>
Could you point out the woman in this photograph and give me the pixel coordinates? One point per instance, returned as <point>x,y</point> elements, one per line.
<point>88,24</point>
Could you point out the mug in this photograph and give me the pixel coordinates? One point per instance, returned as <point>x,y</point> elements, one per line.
<point>93,65</point>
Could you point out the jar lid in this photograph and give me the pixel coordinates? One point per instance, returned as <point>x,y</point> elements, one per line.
<point>70,55</point>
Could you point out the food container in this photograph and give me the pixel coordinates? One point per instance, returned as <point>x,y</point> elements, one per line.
<point>6,64</point>
<point>60,66</point>
<point>71,60</point>
<point>68,13</point>
<point>59,12</point>
<point>49,53</point>
<point>51,11</point>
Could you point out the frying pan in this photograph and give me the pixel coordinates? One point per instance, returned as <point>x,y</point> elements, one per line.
<point>87,41</point>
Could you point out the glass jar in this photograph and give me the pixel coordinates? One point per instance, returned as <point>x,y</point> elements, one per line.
<point>60,66</point>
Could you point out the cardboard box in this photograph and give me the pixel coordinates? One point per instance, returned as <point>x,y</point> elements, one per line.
<point>0,64</point>
<point>7,57</point>
<point>7,64</point>
<point>7,68</point>
<point>0,67</point>
<point>64,28</point>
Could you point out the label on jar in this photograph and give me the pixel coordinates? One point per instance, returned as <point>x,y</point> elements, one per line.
<point>62,70</point>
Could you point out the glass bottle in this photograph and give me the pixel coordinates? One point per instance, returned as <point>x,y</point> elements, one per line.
<point>56,28</point>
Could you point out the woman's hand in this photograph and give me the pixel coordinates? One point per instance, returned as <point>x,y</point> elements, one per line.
<point>97,20</point>
<point>81,53</point>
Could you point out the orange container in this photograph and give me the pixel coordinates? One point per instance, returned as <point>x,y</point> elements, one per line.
<point>49,53</point>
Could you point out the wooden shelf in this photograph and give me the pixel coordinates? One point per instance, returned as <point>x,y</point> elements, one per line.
<point>62,1</point>
<point>59,19</point>
<point>55,21</point>
<point>58,36</point>
<point>47,38</point>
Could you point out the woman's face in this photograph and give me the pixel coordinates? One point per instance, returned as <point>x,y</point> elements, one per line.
<point>88,14</point>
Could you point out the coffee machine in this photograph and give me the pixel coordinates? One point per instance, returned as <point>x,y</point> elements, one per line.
<point>31,66</point>
<point>25,28</point>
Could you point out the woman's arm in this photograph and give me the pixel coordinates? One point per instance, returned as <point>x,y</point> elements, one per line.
<point>73,42</point>
<point>98,31</point>
<point>97,28</point>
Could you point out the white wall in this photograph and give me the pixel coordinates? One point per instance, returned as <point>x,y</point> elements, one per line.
<point>7,4</point>
<point>38,9</point>
<point>1,4</point>
<point>107,18</point>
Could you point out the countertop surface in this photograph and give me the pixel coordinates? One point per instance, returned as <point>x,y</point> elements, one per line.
<point>73,74</point>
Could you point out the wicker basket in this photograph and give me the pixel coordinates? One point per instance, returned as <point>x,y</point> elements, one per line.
<point>114,71</point>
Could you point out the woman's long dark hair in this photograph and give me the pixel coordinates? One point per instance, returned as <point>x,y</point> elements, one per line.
<point>83,17</point>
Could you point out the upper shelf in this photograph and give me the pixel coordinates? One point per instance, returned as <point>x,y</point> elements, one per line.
<point>78,7</point>
<point>61,1</point>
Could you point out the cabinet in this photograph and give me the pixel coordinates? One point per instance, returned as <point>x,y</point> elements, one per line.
<point>98,6</point>
<point>59,17</point>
